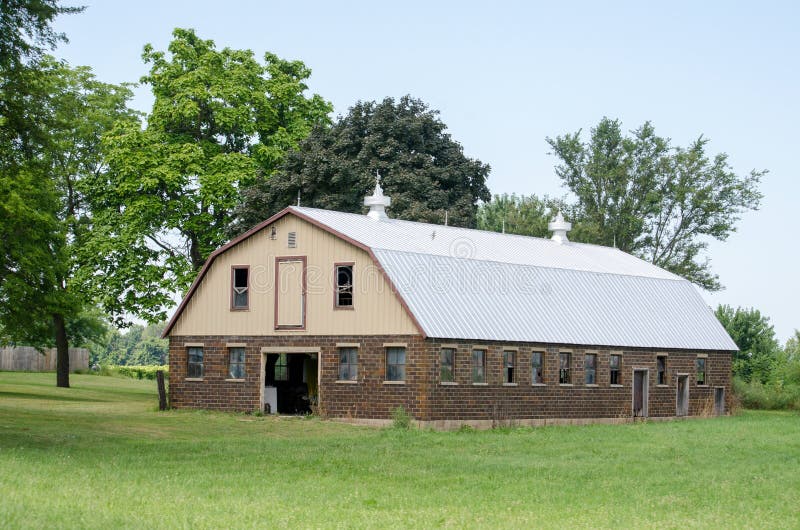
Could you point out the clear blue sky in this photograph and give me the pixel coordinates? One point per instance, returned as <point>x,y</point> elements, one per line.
<point>507,74</point>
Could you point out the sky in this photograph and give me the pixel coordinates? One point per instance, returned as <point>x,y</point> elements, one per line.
<point>507,75</point>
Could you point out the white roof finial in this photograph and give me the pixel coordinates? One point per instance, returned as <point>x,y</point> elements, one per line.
<point>559,227</point>
<point>377,202</point>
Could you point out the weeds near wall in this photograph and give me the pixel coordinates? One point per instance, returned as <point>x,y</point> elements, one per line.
<point>401,419</point>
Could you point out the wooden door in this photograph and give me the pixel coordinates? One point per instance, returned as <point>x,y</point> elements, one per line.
<point>682,397</point>
<point>290,293</point>
<point>640,393</point>
<point>719,401</point>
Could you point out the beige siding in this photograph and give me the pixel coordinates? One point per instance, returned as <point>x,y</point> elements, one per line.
<point>291,275</point>
<point>376,309</point>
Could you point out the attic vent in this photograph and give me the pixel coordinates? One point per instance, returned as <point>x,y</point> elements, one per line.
<point>292,239</point>
<point>273,233</point>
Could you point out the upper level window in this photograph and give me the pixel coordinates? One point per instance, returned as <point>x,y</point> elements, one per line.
<point>509,360</point>
<point>590,368</point>
<point>236,363</point>
<point>661,369</point>
<point>395,364</point>
<point>537,372</point>
<point>478,366</point>
<point>614,364</point>
<point>240,298</point>
<point>194,367</point>
<point>701,370</point>
<point>447,365</point>
<point>348,364</point>
<point>344,285</point>
<point>564,376</point>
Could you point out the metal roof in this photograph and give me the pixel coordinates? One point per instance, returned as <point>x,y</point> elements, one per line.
<point>470,284</point>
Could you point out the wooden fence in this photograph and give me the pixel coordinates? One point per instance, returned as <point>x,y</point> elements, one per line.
<point>19,358</point>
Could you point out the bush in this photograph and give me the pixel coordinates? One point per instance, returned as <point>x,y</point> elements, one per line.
<point>137,372</point>
<point>401,419</point>
<point>771,396</point>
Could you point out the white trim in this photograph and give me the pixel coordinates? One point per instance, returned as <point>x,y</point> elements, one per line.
<point>480,384</point>
<point>538,384</point>
<point>448,383</point>
<point>289,349</point>
<point>449,346</point>
<point>235,345</point>
<point>510,384</point>
<point>591,385</point>
<point>395,345</point>
<point>348,345</point>
<point>194,345</point>
<point>236,380</point>
<point>193,379</point>
<point>702,355</point>
<point>394,382</point>
<point>566,384</point>
<point>346,381</point>
<point>511,348</point>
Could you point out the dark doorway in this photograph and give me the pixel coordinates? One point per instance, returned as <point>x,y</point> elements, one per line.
<point>640,393</point>
<point>294,378</point>
<point>719,401</point>
<point>682,398</point>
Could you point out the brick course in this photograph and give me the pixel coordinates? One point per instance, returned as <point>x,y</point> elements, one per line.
<point>429,401</point>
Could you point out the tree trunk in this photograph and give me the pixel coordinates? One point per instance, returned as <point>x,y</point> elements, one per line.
<point>62,351</point>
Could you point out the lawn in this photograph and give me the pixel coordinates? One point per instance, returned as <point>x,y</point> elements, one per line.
<point>99,455</point>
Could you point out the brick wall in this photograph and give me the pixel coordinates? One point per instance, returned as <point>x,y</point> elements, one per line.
<point>428,400</point>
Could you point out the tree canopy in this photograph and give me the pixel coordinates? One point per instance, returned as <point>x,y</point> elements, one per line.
<point>755,337</point>
<point>220,119</point>
<point>650,198</point>
<point>422,168</point>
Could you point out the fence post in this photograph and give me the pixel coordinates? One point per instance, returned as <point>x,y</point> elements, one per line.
<point>162,391</point>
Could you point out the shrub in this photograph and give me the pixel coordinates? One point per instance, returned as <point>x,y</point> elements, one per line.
<point>401,419</point>
<point>771,396</point>
<point>139,372</point>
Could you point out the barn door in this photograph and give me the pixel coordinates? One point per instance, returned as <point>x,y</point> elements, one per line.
<point>290,296</point>
<point>719,401</point>
<point>640,393</point>
<point>682,398</point>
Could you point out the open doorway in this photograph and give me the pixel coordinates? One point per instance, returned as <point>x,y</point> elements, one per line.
<point>290,382</point>
<point>640,393</point>
<point>682,397</point>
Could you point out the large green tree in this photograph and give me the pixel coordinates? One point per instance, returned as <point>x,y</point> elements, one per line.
<point>423,169</point>
<point>44,301</point>
<point>650,198</point>
<point>755,337</point>
<point>220,119</point>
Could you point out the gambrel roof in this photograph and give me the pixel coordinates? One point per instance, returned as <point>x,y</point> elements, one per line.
<point>459,283</point>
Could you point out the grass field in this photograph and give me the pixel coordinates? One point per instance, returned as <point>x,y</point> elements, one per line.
<point>99,455</point>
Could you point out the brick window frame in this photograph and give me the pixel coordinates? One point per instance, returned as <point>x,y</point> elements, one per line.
<point>195,362</point>
<point>537,366</point>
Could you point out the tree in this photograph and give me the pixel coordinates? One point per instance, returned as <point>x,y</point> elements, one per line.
<point>220,119</point>
<point>422,168</point>
<point>659,202</point>
<point>755,338</point>
<point>43,304</point>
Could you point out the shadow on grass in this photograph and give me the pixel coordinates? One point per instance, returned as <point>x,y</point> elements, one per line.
<point>48,397</point>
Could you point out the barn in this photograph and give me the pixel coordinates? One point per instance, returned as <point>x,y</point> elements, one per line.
<point>353,316</point>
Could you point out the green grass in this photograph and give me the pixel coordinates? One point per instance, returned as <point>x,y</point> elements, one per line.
<point>99,455</point>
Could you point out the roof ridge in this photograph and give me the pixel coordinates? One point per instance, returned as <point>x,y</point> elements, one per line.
<point>676,279</point>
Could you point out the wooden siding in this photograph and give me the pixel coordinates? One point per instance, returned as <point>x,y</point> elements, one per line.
<point>376,309</point>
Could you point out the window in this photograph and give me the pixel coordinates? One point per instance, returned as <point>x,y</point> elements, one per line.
<point>478,366</point>
<point>614,363</point>
<point>537,373</point>
<point>590,368</point>
<point>291,240</point>
<point>348,364</point>
<point>701,370</point>
<point>236,363</point>
<point>661,369</point>
<point>344,286</point>
<point>239,281</point>
<point>563,368</point>
<point>282,368</point>
<point>273,233</point>
<point>195,365</point>
<point>509,359</point>
<point>395,364</point>
<point>447,365</point>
